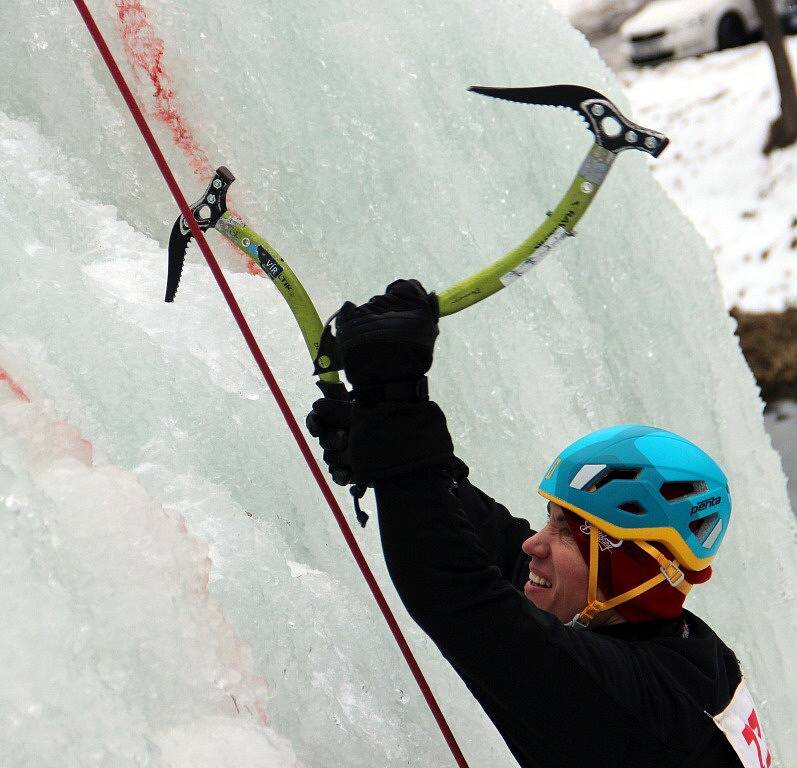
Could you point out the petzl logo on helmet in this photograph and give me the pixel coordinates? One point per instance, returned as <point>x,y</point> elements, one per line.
<point>705,504</point>
<point>556,463</point>
<point>604,542</point>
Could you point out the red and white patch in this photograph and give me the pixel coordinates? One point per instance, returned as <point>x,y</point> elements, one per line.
<point>740,723</point>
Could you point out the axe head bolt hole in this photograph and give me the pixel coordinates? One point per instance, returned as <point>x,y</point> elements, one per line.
<point>611,127</point>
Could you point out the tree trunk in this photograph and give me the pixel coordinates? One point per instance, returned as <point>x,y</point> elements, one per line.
<point>783,132</point>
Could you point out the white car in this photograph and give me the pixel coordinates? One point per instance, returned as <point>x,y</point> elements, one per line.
<point>667,29</point>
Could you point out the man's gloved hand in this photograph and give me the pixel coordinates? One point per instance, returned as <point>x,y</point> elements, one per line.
<point>389,427</point>
<point>364,444</point>
<point>330,421</point>
<point>387,344</point>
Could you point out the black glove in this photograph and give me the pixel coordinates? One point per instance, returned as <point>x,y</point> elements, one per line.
<point>364,444</point>
<point>387,344</point>
<point>330,421</point>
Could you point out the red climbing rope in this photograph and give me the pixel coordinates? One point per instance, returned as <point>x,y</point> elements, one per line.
<point>270,380</point>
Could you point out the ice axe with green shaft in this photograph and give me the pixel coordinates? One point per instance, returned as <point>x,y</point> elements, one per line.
<point>613,134</point>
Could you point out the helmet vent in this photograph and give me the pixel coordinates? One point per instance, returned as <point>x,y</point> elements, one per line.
<point>633,507</point>
<point>613,473</point>
<point>682,488</point>
<point>707,529</point>
<point>586,475</point>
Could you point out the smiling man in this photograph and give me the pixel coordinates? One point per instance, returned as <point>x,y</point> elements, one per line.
<point>558,574</point>
<point>572,638</point>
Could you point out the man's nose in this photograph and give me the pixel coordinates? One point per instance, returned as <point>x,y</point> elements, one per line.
<point>537,545</point>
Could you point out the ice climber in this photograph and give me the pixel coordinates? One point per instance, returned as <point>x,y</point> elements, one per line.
<point>572,638</point>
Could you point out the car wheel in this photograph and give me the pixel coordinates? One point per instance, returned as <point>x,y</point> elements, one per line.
<point>731,32</point>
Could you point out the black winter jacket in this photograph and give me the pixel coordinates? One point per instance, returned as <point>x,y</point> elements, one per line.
<point>625,695</point>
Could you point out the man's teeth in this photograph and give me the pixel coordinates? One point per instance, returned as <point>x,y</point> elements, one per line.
<point>538,580</point>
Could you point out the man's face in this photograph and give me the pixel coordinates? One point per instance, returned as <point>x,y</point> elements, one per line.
<point>557,562</point>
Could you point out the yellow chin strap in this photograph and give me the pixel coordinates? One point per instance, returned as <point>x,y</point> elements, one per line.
<point>670,571</point>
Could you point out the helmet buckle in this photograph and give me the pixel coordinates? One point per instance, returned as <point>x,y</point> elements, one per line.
<point>672,573</point>
<point>581,620</point>
<point>576,622</point>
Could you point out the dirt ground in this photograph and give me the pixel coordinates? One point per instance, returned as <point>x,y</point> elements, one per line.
<point>769,343</point>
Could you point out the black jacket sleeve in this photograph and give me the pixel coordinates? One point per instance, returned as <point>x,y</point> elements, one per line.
<point>499,533</point>
<point>397,439</point>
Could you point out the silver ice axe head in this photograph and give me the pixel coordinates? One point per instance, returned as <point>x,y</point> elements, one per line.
<point>612,130</point>
<point>207,211</point>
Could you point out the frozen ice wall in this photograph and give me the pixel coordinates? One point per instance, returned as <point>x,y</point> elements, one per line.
<point>112,643</point>
<point>360,155</point>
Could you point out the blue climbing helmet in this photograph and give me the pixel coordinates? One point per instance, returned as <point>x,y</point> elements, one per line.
<point>646,485</point>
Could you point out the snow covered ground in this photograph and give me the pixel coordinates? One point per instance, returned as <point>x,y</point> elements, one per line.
<point>717,109</point>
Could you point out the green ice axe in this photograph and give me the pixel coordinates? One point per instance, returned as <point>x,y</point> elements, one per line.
<point>613,134</point>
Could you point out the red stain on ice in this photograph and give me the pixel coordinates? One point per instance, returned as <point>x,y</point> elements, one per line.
<point>13,386</point>
<point>253,268</point>
<point>145,52</point>
<point>68,439</point>
<point>84,453</point>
